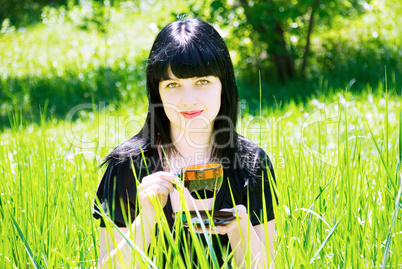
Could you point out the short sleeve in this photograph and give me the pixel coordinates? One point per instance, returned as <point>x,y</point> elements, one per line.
<point>117,193</point>
<point>259,191</point>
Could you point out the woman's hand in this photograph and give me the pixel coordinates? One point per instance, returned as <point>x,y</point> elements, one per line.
<point>157,185</point>
<point>240,212</point>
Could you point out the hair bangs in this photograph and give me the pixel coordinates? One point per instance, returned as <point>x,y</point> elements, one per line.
<point>191,61</point>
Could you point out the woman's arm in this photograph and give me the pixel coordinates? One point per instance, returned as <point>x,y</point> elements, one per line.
<point>239,238</point>
<point>153,190</point>
<point>239,241</point>
<point>271,236</point>
<point>107,246</point>
<point>109,255</point>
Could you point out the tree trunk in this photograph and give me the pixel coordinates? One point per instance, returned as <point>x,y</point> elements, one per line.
<point>281,57</point>
<point>310,29</point>
<point>273,35</point>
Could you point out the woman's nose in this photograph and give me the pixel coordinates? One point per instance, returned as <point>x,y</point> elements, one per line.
<point>189,99</point>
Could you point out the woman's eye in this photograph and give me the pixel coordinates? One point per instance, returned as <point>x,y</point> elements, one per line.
<point>202,82</point>
<point>172,85</point>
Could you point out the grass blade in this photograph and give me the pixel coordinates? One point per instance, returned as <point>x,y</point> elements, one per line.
<point>387,249</point>
<point>27,248</point>
<point>382,159</point>
<point>397,203</point>
<point>327,238</point>
<point>400,135</point>
<point>260,138</point>
<point>386,114</point>
<point>315,214</point>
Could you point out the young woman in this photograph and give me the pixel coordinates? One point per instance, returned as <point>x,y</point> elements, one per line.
<point>192,115</point>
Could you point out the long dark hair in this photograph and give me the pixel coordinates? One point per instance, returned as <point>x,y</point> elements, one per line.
<point>192,48</point>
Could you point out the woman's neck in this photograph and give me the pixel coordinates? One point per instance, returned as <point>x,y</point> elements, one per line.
<point>193,147</point>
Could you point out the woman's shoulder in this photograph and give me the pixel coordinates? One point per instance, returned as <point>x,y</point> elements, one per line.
<point>249,150</point>
<point>134,166</point>
<point>130,150</point>
<point>252,158</point>
<point>248,164</point>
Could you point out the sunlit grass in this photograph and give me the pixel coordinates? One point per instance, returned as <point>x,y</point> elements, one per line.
<point>338,182</point>
<point>337,158</point>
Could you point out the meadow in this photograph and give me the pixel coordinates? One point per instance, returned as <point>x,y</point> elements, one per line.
<point>338,180</point>
<point>336,153</point>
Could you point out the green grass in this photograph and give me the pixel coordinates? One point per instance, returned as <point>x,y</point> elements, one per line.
<point>337,156</point>
<point>338,181</point>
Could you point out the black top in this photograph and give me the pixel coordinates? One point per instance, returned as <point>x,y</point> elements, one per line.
<point>244,173</point>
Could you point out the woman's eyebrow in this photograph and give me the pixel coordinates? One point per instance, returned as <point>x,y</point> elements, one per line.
<point>169,79</point>
<point>177,79</point>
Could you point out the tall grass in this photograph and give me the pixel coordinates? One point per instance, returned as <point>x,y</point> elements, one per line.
<point>337,162</point>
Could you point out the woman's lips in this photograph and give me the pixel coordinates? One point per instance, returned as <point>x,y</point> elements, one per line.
<point>191,114</point>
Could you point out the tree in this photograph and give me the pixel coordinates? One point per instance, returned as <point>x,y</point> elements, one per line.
<point>275,34</point>
<point>25,12</point>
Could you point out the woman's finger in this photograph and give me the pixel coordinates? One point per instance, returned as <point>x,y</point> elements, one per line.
<point>161,180</point>
<point>164,175</point>
<point>210,229</point>
<point>156,189</point>
<point>240,210</point>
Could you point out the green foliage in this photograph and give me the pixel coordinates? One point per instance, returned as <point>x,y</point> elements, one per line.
<point>96,50</point>
<point>273,29</point>
<point>91,16</point>
<point>339,181</point>
<point>361,49</point>
<point>66,62</point>
<point>29,94</point>
<point>82,53</point>
<point>6,27</point>
<point>25,12</point>
<point>347,37</point>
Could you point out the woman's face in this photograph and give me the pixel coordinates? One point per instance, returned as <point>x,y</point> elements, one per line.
<point>191,104</point>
